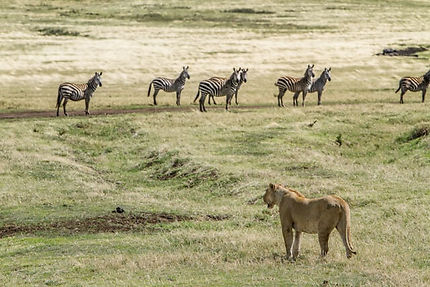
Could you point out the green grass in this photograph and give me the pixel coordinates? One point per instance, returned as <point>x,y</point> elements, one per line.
<point>85,167</point>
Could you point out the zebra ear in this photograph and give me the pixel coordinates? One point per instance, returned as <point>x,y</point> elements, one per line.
<point>312,66</point>
<point>101,73</point>
<point>187,68</point>
<point>329,69</point>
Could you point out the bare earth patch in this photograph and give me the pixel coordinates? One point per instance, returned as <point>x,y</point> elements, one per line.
<point>409,51</point>
<point>105,223</point>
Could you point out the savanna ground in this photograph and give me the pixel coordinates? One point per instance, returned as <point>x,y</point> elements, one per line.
<point>191,183</point>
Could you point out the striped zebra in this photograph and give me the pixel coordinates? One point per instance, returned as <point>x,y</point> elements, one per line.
<point>218,87</point>
<point>170,85</point>
<point>318,84</point>
<point>77,92</point>
<point>296,85</point>
<point>414,84</point>
<point>243,79</point>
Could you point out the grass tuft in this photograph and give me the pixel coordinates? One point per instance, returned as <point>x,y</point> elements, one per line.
<point>54,31</point>
<point>415,133</point>
<point>248,11</point>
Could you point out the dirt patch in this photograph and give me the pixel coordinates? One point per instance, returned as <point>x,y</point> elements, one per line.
<point>105,112</point>
<point>409,51</point>
<point>105,223</point>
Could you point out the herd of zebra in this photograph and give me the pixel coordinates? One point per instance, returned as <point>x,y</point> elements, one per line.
<point>228,87</point>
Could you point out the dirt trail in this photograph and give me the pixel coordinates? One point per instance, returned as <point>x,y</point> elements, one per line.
<point>148,110</point>
<point>104,223</point>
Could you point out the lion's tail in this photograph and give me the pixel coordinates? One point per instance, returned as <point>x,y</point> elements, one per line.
<point>344,228</point>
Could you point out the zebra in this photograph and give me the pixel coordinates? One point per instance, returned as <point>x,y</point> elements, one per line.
<point>414,84</point>
<point>218,87</point>
<point>243,79</point>
<point>77,92</point>
<point>296,85</point>
<point>318,84</point>
<point>170,85</point>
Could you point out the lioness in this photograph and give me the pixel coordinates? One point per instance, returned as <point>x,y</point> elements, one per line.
<point>319,215</point>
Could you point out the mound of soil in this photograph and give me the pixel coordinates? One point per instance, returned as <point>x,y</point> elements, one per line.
<point>104,223</point>
<point>409,51</point>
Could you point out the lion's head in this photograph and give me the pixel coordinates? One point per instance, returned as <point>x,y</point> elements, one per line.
<point>269,196</point>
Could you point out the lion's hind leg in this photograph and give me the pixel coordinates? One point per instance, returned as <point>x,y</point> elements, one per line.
<point>324,230</point>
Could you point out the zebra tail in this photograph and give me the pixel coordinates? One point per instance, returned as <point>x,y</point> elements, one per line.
<point>397,89</point>
<point>197,96</point>
<point>149,89</point>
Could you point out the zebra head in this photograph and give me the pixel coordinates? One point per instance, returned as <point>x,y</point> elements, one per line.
<point>235,76</point>
<point>96,80</point>
<point>243,75</point>
<point>184,74</point>
<point>309,71</point>
<point>326,74</point>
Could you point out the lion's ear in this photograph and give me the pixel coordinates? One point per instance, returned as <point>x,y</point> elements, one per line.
<point>271,185</point>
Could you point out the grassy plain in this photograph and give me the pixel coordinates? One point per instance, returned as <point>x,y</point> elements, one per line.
<point>210,169</point>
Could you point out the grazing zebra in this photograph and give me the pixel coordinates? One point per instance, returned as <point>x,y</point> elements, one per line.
<point>318,84</point>
<point>296,85</point>
<point>170,85</point>
<point>218,87</point>
<point>414,84</point>
<point>243,79</point>
<point>77,92</point>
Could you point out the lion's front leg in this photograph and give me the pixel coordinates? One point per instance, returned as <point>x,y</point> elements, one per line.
<point>296,245</point>
<point>287,232</point>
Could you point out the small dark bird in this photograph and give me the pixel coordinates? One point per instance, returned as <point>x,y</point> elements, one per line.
<point>118,210</point>
<point>312,124</point>
<point>339,140</point>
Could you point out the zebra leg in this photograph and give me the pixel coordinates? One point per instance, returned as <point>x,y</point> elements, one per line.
<point>64,107</point>
<point>227,101</point>
<point>87,105</point>
<point>319,97</point>
<point>281,96</point>
<point>178,98</point>
<point>423,95</point>
<point>213,99</point>
<point>60,98</point>
<point>155,95</point>
<point>303,97</point>
<point>295,99</point>
<point>401,96</point>
<point>202,102</point>
<point>235,98</point>
<point>209,99</point>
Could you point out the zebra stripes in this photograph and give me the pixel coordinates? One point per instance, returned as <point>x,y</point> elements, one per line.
<point>296,85</point>
<point>218,87</point>
<point>414,84</point>
<point>318,84</point>
<point>243,79</point>
<point>170,85</point>
<point>77,92</point>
